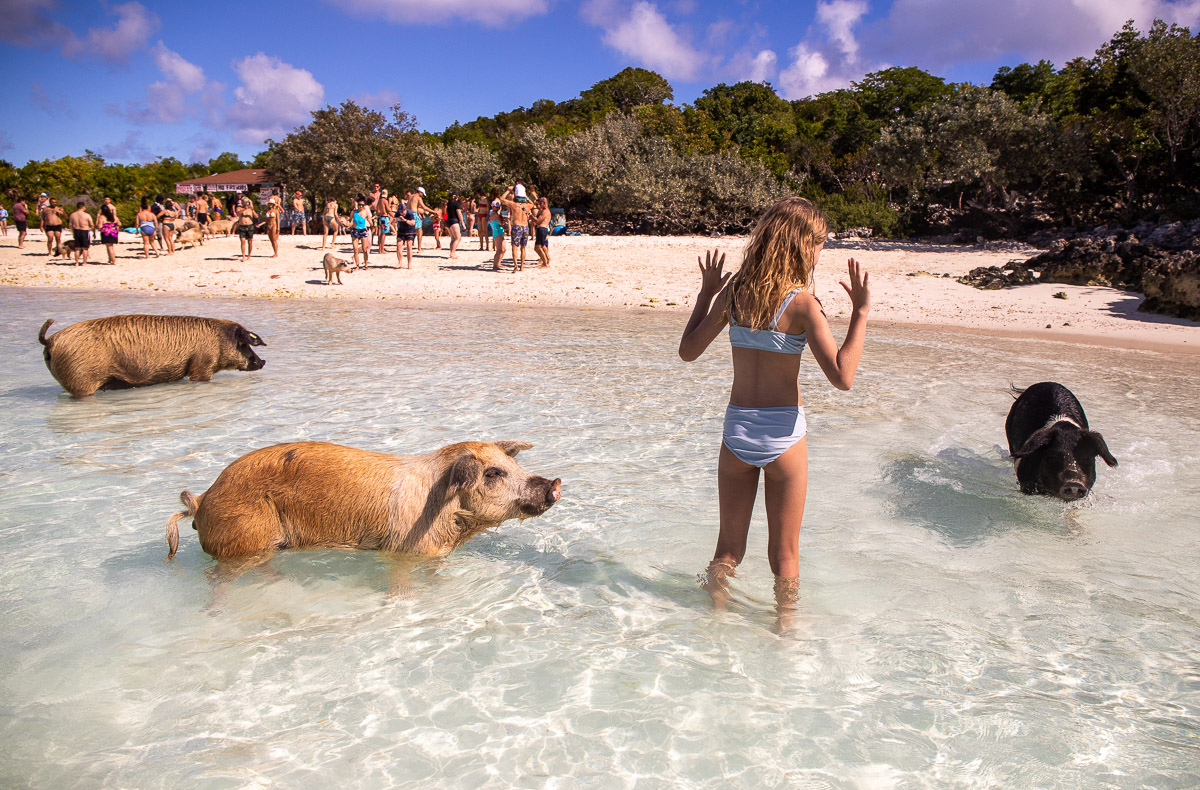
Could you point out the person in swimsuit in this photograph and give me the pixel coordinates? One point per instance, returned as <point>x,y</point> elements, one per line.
<point>541,238</point>
<point>243,222</point>
<point>81,230</point>
<point>299,218</point>
<point>481,220</point>
<point>329,222</point>
<point>202,213</point>
<point>273,212</point>
<point>147,225</point>
<point>359,232</point>
<point>166,223</point>
<point>383,210</point>
<point>20,215</point>
<point>406,231</point>
<point>455,221</point>
<point>52,223</point>
<point>772,315</point>
<point>416,202</point>
<point>518,208</point>
<point>110,226</point>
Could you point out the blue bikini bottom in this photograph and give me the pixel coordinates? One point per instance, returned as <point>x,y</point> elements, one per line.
<point>759,436</point>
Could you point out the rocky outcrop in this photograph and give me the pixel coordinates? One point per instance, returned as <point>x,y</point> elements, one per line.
<point>1161,261</point>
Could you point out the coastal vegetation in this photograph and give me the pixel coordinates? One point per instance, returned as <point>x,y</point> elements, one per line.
<point>1113,139</point>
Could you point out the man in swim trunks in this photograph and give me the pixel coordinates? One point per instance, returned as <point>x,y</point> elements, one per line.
<point>298,217</point>
<point>20,215</point>
<point>519,210</point>
<point>383,210</point>
<point>81,229</point>
<point>202,213</point>
<point>52,224</point>
<point>541,238</point>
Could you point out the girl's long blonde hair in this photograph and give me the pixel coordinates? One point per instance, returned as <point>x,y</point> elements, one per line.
<point>780,256</point>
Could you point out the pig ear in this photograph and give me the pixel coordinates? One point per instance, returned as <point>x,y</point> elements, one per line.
<point>512,448</point>
<point>465,472</point>
<point>1037,441</point>
<point>1100,448</point>
<point>254,339</point>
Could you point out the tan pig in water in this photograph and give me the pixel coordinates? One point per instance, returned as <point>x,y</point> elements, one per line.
<point>320,494</point>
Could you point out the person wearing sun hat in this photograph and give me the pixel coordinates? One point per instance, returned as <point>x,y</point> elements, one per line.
<point>298,217</point>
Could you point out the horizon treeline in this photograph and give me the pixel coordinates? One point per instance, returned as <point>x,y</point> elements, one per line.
<point>1110,139</point>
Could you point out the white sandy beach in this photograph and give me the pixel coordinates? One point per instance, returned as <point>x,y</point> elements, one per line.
<point>625,272</point>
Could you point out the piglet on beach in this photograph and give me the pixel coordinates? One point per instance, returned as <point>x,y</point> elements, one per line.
<point>124,351</point>
<point>321,494</point>
<point>1048,437</point>
<point>335,266</point>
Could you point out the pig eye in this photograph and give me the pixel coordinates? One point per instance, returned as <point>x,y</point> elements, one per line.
<point>494,473</point>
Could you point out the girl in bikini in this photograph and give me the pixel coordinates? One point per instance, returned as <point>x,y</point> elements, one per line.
<point>772,315</point>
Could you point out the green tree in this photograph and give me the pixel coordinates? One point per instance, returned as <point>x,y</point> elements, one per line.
<point>625,90</point>
<point>345,149</point>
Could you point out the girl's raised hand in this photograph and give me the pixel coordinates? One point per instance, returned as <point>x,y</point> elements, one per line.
<point>711,278</point>
<point>858,289</point>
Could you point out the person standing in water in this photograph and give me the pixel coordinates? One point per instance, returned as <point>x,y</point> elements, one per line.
<point>772,316</point>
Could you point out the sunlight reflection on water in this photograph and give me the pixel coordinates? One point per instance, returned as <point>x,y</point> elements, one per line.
<point>952,632</point>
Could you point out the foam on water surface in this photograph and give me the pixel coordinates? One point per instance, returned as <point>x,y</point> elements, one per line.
<point>951,632</point>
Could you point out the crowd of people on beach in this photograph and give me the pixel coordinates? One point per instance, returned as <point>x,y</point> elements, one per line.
<point>516,214</point>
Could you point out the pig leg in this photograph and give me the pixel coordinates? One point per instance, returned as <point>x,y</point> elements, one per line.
<point>200,368</point>
<point>226,572</point>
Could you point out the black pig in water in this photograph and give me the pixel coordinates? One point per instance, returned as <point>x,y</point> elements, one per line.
<point>1048,436</point>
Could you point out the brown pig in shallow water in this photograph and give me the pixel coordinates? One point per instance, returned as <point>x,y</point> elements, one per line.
<point>321,494</point>
<point>124,351</point>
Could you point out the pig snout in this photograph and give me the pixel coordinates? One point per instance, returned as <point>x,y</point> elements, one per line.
<point>1072,490</point>
<point>541,494</point>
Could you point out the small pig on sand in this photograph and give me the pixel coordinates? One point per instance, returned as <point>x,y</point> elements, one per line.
<point>1048,437</point>
<point>320,494</point>
<point>335,265</point>
<point>192,236</point>
<point>124,351</point>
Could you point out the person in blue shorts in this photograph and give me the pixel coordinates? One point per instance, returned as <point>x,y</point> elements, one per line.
<point>773,316</point>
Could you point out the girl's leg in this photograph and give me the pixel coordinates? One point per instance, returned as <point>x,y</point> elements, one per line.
<point>786,489</point>
<point>249,247</point>
<point>408,252</point>
<point>354,247</point>
<point>737,485</point>
<point>455,237</point>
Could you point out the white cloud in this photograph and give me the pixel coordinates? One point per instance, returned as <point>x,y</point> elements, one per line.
<point>174,98</point>
<point>935,34</point>
<point>273,98</point>
<point>762,68</point>
<point>839,18</point>
<point>647,38</point>
<point>185,74</point>
<point>828,57</point>
<point>135,25</point>
<point>494,13</point>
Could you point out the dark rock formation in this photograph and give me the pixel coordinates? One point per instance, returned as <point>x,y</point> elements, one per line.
<point>1161,261</point>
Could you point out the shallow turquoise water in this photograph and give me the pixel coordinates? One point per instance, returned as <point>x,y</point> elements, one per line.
<point>952,632</point>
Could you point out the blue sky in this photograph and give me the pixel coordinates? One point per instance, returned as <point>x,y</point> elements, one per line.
<point>136,80</point>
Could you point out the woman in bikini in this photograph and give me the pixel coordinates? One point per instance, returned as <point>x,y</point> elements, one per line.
<point>481,220</point>
<point>274,210</point>
<point>106,221</point>
<point>329,222</point>
<point>360,240</point>
<point>147,225</point>
<point>244,219</point>
<point>772,315</point>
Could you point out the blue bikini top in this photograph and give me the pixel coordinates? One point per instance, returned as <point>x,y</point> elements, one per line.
<point>768,339</point>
